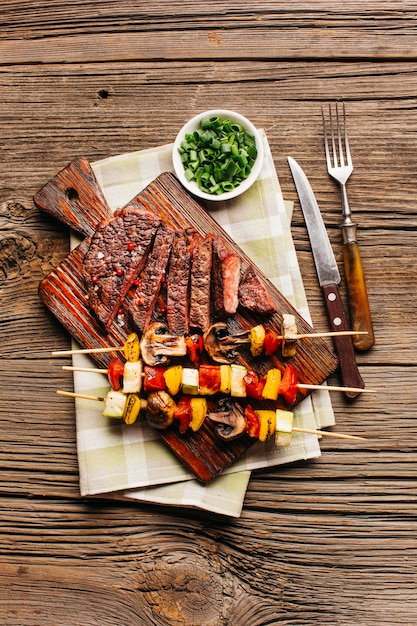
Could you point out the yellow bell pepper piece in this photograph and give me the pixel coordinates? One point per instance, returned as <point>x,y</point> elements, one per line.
<point>273,381</point>
<point>225,379</point>
<point>132,408</point>
<point>173,379</point>
<point>132,347</point>
<point>198,412</point>
<point>257,338</point>
<point>267,424</point>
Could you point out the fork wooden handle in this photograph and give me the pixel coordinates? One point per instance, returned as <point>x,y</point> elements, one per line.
<point>360,313</point>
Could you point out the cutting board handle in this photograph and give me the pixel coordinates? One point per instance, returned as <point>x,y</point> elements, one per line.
<point>74,197</point>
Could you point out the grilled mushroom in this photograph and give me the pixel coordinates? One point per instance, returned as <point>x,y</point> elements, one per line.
<point>157,345</point>
<point>231,422</point>
<point>221,346</point>
<point>160,410</point>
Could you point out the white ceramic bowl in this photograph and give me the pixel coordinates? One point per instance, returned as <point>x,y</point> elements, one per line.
<point>190,127</point>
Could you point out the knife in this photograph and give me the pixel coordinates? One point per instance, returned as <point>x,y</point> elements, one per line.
<point>329,278</point>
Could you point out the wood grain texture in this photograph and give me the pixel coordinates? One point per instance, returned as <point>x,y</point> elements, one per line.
<point>329,542</point>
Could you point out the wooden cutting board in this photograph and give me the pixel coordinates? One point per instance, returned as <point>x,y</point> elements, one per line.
<point>74,197</point>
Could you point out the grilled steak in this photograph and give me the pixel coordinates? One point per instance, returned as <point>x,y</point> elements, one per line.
<point>178,284</point>
<point>253,295</point>
<point>116,255</point>
<point>200,284</point>
<point>151,279</point>
<point>226,277</point>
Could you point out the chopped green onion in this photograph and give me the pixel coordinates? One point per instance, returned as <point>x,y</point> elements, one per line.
<point>227,186</point>
<point>218,155</point>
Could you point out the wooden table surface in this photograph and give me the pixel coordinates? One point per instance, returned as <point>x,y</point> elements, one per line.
<point>331,541</point>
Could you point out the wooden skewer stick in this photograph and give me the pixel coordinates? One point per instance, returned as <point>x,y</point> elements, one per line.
<point>87,351</point>
<point>326,433</point>
<point>308,431</point>
<point>334,388</point>
<point>71,394</point>
<point>93,370</point>
<point>332,333</point>
<point>72,368</point>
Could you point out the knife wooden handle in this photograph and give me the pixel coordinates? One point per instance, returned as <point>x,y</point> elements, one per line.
<point>360,314</point>
<point>343,344</point>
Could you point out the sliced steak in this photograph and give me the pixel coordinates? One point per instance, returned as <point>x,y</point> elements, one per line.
<point>253,295</point>
<point>151,279</point>
<point>227,266</point>
<point>178,284</point>
<point>116,255</point>
<point>200,283</point>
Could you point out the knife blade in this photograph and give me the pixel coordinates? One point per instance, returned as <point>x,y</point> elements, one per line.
<point>329,279</point>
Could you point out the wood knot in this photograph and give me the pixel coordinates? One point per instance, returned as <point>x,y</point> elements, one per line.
<point>183,589</point>
<point>15,210</point>
<point>21,257</point>
<point>15,254</point>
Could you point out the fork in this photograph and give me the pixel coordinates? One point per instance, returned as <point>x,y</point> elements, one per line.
<point>340,167</point>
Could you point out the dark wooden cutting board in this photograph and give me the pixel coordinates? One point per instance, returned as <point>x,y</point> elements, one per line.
<point>74,197</point>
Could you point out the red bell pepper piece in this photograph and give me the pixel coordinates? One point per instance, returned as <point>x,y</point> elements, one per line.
<point>195,347</point>
<point>289,384</point>
<point>272,341</point>
<point>253,424</point>
<point>115,372</point>
<point>183,413</point>
<point>154,379</point>
<point>209,379</point>
<point>254,385</point>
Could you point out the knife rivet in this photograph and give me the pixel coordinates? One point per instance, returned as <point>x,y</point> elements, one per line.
<point>331,297</point>
<point>337,321</point>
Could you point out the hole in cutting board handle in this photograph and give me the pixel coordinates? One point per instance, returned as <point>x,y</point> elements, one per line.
<point>72,194</point>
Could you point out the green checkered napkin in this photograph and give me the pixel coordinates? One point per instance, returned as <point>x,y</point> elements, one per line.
<point>130,462</point>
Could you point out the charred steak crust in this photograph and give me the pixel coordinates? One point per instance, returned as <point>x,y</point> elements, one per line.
<point>226,277</point>
<point>151,279</point>
<point>200,283</point>
<point>178,284</point>
<point>116,255</point>
<point>253,295</point>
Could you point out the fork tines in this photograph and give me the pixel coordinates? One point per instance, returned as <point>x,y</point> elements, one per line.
<point>340,152</point>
